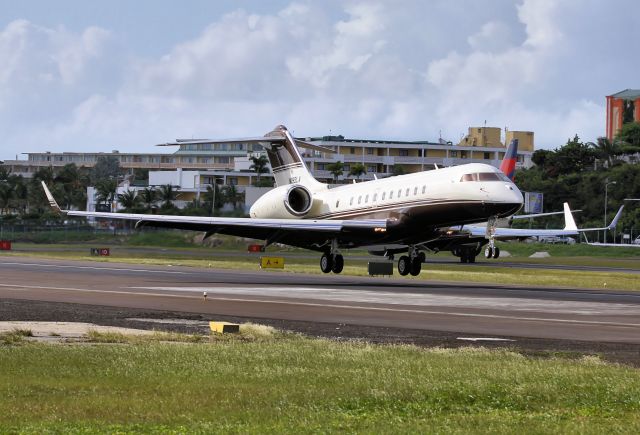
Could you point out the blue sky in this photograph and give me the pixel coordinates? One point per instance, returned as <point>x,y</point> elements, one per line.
<point>107,75</point>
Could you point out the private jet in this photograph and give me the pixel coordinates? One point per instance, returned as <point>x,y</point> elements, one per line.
<point>412,211</point>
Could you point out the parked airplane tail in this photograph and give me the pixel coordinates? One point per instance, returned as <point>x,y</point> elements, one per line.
<point>508,165</point>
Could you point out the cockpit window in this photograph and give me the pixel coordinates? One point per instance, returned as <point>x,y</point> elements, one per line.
<point>488,176</point>
<point>485,176</point>
<point>469,177</point>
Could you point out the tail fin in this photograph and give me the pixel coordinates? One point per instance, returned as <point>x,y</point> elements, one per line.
<point>615,220</point>
<point>569,222</point>
<point>286,162</point>
<point>508,165</point>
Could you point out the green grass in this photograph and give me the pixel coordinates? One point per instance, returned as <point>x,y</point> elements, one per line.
<point>289,384</point>
<point>15,336</point>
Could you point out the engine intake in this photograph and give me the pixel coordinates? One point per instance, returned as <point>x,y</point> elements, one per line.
<point>298,200</point>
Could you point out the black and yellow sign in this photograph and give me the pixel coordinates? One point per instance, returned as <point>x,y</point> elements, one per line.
<point>271,262</point>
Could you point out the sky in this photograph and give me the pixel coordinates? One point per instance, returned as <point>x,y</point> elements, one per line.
<point>122,75</point>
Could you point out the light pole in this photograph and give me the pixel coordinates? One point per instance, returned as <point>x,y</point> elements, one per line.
<point>606,187</point>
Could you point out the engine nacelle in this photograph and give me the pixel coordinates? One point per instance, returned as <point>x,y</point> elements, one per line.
<point>291,201</point>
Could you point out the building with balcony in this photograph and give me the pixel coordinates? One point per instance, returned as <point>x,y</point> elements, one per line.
<point>622,107</point>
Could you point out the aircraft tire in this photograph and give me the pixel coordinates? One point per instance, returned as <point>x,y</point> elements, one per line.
<point>325,263</point>
<point>488,252</point>
<point>404,265</point>
<point>464,258</point>
<point>471,258</point>
<point>416,266</point>
<point>496,252</point>
<point>338,263</point>
<point>423,257</point>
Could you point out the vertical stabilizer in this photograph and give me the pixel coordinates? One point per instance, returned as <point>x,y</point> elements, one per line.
<point>287,164</point>
<point>508,165</point>
<point>569,222</point>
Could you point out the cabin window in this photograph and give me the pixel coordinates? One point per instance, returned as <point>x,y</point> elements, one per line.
<point>407,192</point>
<point>391,195</point>
<point>351,202</point>
<point>399,193</point>
<point>384,194</point>
<point>469,177</point>
<point>337,203</point>
<point>366,199</point>
<point>424,189</point>
<point>415,191</point>
<point>359,199</point>
<point>375,196</point>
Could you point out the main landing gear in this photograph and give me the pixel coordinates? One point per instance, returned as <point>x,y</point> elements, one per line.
<point>491,251</point>
<point>412,263</point>
<point>332,261</point>
<point>468,254</point>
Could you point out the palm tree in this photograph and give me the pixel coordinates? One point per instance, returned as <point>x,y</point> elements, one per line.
<point>606,149</point>
<point>106,191</point>
<point>213,196</point>
<point>167,194</point>
<point>149,196</point>
<point>232,196</point>
<point>358,170</point>
<point>259,165</point>
<point>129,199</point>
<point>6,194</point>
<point>336,169</point>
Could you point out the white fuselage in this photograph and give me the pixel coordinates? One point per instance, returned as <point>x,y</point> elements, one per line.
<point>443,189</point>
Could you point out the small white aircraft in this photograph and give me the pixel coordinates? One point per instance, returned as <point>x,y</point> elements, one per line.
<point>412,210</point>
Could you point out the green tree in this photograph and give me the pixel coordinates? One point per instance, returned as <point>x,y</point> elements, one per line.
<point>259,165</point>
<point>6,195</point>
<point>357,170</point>
<point>167,195</point>
<point>606,150</point>
<point>629,137</point>
<point>74,182</point>
<point>398,170</point>
<point>105,167</point>
<point>232,196</point>
<point>149,196</point>
<point>129,200</point>
<point>336,169</point>
<point>106,191</point>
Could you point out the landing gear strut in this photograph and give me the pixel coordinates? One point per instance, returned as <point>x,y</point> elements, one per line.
<point>332,261</point>
<point>491,251</point>
<point>411,264</point>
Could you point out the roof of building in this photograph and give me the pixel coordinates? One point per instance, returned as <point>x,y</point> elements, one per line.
<point>627,94</point>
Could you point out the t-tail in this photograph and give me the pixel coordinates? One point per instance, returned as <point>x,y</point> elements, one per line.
<point>508,165</point>
<point>287,164</point>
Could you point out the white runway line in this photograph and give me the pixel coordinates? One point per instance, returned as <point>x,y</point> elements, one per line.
<point>418,299</point>
<point>352,307</point>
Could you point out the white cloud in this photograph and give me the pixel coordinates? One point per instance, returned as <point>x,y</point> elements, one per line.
<point>403,70</point>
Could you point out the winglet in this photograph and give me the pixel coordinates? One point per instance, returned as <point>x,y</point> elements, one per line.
<point>614,222</point>
<point>50,198</point>
<point>569,222</point>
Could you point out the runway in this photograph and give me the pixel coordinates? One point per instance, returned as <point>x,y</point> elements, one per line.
<point>491,311</point>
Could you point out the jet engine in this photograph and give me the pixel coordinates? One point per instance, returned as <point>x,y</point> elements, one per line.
<point>291,201</point>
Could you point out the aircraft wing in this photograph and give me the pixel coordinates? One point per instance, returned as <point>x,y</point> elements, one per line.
<point>308,233</point>
<point>570,228</point>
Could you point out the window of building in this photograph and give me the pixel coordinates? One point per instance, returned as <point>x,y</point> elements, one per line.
<point>463,154</point>
<point>453,154</point>
<point>232,181</point>
<point>370,151</point>
<point>352,150</point>
<point>403,153</point>
<point>487,156</point>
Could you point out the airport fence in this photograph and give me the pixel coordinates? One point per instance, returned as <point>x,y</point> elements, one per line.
<point>63,232</point>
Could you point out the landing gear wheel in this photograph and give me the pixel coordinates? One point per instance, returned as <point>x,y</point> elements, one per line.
<point>404,265</point>
<point>326,263</point>
<point>423,257</point>
<point>416,265</point>
<point>338,263</point>
<point>471,258</point>
<point>496,252</point>
<point>464,257</point>
<point>488,252</point>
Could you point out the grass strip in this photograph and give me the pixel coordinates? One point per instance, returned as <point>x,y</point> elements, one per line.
<point>290,384</point>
